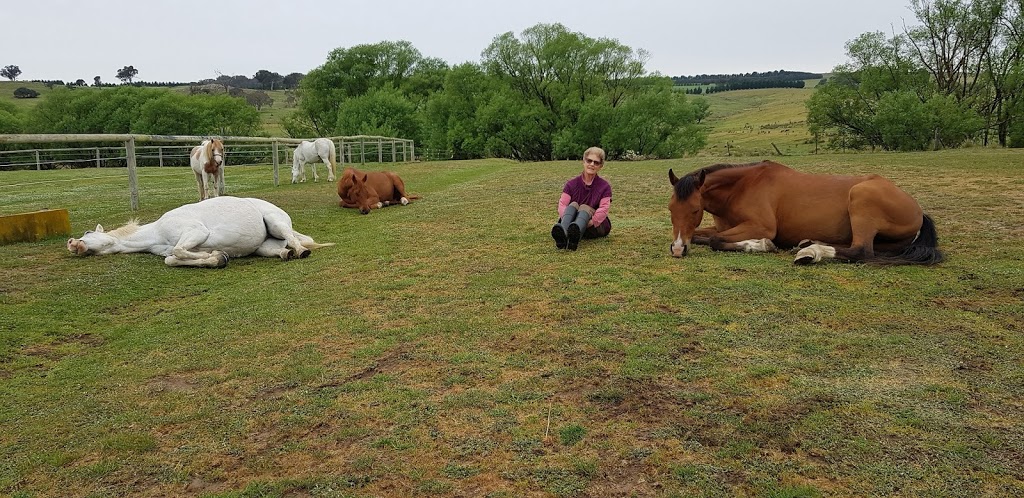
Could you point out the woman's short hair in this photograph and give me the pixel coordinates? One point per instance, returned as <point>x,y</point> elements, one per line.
<point>594,150</point>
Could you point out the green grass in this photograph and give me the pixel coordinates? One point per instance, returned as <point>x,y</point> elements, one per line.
<point>748,122</point>
<point>446,347</point>
<point>7,89</point>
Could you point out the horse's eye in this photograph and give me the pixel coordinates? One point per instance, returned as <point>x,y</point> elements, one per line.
<point>87,232</point>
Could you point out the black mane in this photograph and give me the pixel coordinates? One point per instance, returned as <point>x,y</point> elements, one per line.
<point>686,185</point>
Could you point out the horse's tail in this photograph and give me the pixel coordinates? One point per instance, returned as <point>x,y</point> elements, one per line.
<point>309,243</point>
<point>924,250</point>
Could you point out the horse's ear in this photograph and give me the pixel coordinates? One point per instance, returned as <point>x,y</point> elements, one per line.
<point>672,177</point>
<point>99,228</point>
<point>366,176</point>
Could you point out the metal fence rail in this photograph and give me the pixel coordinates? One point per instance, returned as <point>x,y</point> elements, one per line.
<point>167,150</point>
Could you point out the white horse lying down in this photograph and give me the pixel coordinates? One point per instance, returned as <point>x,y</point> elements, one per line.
<point>205,234</point>
<point>321,149</point>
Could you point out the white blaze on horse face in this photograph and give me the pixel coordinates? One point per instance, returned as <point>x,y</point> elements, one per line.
<point>678,247</point>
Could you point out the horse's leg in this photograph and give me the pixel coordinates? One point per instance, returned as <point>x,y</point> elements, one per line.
<point>280,227</point>
<point>216,260</point>
<point>211,185</point>
<point>399,187</point>
<point>326,158</point>
<point>274,248</point>
<point>702,236</point>
<point>745,237</point>
<point>199,183</point>
<point>220,180</point>
<point>182,254</point>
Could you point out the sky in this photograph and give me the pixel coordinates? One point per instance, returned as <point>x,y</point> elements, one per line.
<point>190,40</point>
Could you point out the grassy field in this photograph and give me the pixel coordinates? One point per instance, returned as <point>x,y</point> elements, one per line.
<point>748,122</point>
<point>446,348</point>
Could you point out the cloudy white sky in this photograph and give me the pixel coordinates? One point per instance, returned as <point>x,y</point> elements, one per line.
<point>189,40</point>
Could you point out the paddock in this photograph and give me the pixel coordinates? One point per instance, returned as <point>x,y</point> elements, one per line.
<point>129,155</point>
<point>446,349</point>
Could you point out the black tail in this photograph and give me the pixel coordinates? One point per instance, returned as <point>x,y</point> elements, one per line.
<point>923,251</point>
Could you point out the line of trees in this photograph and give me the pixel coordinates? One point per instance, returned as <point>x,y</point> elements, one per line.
<point>777,75</point>
<point>751,84</point>
<point>130,109</point>
<point>548,94</point>
<point>957,78</point>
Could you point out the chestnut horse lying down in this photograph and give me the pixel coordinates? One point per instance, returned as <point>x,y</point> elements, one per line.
<point>366,190</point>
<point>205,234</point>
<point>758,207</point>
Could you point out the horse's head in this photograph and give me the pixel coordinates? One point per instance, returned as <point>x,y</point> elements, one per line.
<point>687,209</point>
<point>360,194</point>
<point>93,242</point>
<point>215,151</point>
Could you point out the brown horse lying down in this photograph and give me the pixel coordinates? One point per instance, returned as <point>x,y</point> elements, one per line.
<point>366,190</point>
<point>758,207</point>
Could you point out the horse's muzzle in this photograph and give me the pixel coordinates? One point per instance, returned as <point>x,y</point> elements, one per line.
<point>678,251</point>
<point>77,247</point>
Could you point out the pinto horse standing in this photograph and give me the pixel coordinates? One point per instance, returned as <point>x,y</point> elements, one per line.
<point>321,149</point>
<point>761,206</point>
<point>371,190</point>
<point>205,234</point>
<point>207,161</point>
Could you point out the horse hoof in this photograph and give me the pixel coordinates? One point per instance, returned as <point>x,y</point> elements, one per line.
<point>304,254</point>
<point>804,243</point>
<point>222,260</point>
<point>803,260</point>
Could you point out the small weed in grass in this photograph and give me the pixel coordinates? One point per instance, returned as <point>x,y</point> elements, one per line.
<point>571,434</point>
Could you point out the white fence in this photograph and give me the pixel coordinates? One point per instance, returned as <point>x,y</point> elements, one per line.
<point>167,152</point>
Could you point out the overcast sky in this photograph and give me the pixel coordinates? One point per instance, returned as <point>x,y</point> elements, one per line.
<point>190,40</point>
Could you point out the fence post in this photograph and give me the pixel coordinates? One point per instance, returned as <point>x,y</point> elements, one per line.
<point>341,155</point>
<point>97,157</point>
<point>362,151</point>
<point>160,153</point>
<point>38,167</point>
<point>380,150</point>
<point>133,180</point>
<point>275,163</point>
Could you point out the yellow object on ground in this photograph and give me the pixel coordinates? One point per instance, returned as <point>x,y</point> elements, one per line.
<point>30,227</point>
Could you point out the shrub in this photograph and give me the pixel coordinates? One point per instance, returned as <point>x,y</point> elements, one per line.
<point>25,93</point>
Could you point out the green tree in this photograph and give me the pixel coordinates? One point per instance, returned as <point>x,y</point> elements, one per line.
<point>383,111</point>
<point>570,79</point>
<point>268,79</point>
<point>10,72</point>
<point>11,120</point>
<point>352,72</point>
<point>127,74</point>
<point>961,64</point>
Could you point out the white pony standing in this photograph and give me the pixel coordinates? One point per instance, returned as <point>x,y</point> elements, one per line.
<point>207,161</point>
<point>321,149</point>
<point>205,234</point>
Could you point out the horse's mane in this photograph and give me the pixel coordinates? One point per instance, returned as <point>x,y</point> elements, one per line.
<point>686,185</point>
<point>131,227</point>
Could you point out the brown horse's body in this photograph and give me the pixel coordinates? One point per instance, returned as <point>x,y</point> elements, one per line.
<point>366,190</point>
<point>761,206</point>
